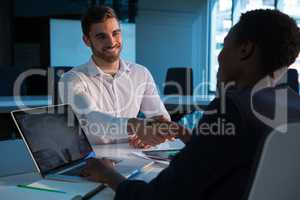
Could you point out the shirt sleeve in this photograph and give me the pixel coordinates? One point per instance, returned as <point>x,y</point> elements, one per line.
<point>209,157</point>
<point>152,104</point>
<point>99,127</point>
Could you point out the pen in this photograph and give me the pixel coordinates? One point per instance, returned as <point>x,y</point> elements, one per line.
<point>41,189</point>
<point>134,173</point>
<point>90,155</point>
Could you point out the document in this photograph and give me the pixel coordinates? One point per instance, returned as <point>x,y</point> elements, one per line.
<point>17,193</point>
<point>162,153</point>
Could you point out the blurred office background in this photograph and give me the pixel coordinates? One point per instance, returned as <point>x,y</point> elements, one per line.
<point>159,34</point>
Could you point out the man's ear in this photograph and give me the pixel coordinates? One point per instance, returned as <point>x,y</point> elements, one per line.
<point>86,40</point>
<point>246,50</point>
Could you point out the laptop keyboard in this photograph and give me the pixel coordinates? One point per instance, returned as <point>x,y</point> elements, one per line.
<point>75,171</point>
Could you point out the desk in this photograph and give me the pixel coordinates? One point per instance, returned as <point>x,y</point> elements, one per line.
<point>122,151</point>
<point>117,150</point>
<point>10,103</point>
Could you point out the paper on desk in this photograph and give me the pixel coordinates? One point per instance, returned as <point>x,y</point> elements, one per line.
<point>169,145</point>
<point>142,155</point>
<point>78,188</point>
<point>16,193</point>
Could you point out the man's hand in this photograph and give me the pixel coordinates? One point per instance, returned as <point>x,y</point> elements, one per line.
<point>171,130</point>
<point>159,118</point>
<point>142,132</point>
<point>136,142</point>
<point>174,130</point>
<point>153,132</point>
<point>102,170</point>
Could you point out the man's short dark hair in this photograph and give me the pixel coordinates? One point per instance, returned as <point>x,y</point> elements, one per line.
<point>275,33</point>
<point>97,14</point>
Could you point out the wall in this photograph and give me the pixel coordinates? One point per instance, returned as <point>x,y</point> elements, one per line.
<point>173,35</point>
<point>6,33</point>
<point>168,33</point>
<point>35,8</point>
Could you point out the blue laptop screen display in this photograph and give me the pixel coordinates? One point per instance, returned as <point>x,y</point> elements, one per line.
<point>54,137</point>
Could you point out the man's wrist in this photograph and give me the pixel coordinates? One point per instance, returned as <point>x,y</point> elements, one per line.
<point>115,180</point>
<point>184,135</point>
<point>132,125</point>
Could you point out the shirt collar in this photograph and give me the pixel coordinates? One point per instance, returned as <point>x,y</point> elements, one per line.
<point>124,66</point>
<point>94,70</point>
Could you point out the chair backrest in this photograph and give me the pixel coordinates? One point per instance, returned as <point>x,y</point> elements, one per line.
<point>292,80</point>
<point>278,173</point>
<point>179,81</point>
<point>55,74</point>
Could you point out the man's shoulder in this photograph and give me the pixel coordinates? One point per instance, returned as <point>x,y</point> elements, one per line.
<point>75,73</point>
<point>136,68</point>
<point>232,100</point>
<point>83,68</point>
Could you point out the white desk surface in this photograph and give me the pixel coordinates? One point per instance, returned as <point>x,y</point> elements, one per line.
<point>10,103</point>
<point>114,150</point>
<point>123,151</point>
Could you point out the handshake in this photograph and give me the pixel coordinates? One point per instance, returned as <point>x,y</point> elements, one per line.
<point>144,133</point>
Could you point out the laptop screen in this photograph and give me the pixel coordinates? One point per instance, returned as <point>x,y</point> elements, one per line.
<point>53,136</point>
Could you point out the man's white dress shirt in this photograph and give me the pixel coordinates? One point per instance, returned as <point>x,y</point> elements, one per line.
<point>104,103</point>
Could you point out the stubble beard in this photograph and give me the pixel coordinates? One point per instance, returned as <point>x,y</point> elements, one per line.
<point>110,58</point>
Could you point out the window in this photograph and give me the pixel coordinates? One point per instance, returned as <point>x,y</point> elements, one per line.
<point>243,6</point>
<point>292,8</point>
<point>221,22</point>
<point>225,13</point>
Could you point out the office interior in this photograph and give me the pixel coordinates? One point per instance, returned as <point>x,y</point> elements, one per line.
<point>177,40</point>
<point>185,35</point>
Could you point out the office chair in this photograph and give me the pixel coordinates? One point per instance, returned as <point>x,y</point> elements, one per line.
<point>179,81</point>
<point>54,75</point>
<point>277,176</point>
<point>292,80</point>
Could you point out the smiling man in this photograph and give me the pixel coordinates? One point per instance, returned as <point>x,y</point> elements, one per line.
<point>104,39</point>
<point>107,92</point>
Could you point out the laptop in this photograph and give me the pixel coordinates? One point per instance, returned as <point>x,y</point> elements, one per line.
<point>58,145</point>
